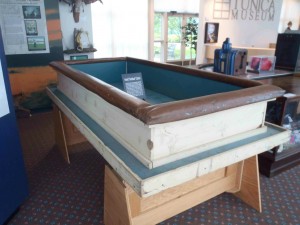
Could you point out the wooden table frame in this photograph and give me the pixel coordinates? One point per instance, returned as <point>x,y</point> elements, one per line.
<point>123,206</point>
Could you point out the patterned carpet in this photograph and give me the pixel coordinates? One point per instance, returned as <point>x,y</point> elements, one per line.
<point>62,194</point>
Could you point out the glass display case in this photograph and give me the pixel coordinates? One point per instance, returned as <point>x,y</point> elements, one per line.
<point>285,111</point>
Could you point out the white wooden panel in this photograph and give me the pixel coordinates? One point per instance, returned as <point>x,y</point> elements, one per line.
<point>180,175</point>
<point>171,178</point>
<point>208,146</point>
<point>190,134</point>
<point>128,130</point>
<point>170,141</point>
<point>114,161</point>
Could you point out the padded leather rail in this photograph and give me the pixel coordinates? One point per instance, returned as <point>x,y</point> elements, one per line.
<point>251,92</point>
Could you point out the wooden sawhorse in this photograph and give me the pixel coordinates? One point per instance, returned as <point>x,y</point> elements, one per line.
<point>122,206</point>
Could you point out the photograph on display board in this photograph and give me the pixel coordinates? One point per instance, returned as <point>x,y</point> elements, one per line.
<point>211,32</point>
<point>31,12</point>
<point>31,27</point>
<point>36,43</point>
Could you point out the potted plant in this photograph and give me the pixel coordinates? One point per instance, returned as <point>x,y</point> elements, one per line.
<point>190,35</point>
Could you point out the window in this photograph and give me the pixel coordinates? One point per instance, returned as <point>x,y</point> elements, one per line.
<point>158,37</point>
<point>169,45</point>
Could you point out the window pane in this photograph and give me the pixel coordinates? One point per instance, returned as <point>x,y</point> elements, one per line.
<point>158,26</point>
<point>188,52</point>
<point>157,51</point>
<point>191,32</point>
<point>174,37</point>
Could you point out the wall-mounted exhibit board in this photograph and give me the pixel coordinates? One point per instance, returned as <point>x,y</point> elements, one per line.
<point>43,28</point>
<point>36,25</point>
<point>13,181</point>
<point>24,27</point>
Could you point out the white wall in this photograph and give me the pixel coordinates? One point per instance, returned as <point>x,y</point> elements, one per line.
<point>251,27</point>
<point>121,28</point>
<point>180,6</point>
<point>68,24</point>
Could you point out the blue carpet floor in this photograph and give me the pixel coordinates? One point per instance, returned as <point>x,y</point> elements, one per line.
<point>62,194</point>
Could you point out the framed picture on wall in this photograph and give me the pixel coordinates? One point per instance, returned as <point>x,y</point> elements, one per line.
<point>31,27</point>
<point>211,32</point>
<point>36,43</point>
<point>31,12</point>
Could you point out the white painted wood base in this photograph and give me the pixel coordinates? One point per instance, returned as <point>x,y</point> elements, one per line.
<point>183,173</point>
<point>159,144</point>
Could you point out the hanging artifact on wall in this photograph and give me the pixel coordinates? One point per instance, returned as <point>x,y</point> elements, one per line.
<point>76,6</point>
<point>82,42</point>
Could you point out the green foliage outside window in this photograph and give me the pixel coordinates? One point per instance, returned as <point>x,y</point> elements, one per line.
<point>157,26</point>
<point>190,34</point>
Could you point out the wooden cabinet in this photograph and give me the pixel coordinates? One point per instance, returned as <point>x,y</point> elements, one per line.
<point>285,111</point>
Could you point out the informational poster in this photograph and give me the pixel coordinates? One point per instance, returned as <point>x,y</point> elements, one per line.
<point>134,85</point>
<point>24,27</point>
<point>4,109</point>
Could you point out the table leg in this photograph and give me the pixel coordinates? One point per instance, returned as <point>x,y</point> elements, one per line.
<point>60,137</point>
<point>250,185</point>
<point>66,134</point>
<point>122,206</point>
<point>116,202</point>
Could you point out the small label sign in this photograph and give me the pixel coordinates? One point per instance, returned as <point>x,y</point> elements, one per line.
<point>133,84</point>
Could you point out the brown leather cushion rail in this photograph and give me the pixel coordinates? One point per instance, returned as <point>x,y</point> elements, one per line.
<point>252,92</point>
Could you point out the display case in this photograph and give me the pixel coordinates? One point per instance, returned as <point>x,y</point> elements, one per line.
<point>285,111</point>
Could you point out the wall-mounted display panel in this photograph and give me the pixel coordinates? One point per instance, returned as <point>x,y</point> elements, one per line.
<point>24,27</point>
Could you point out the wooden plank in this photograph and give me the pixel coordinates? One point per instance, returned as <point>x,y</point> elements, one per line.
<point>134,201</point>
<point>116,204</point>
<point>113,160</point>
<point>126,207</point>
<point>180,190</point>
<point>182,174</point>
<point>60,137</point>
<point>211,145</point>
<point>111,118</point>
<point>159,144</point>
<point>250,186</point>
<point>191,199</point>
<point>72,134</point>
<point>239,174</point>
<point>157,208</point>
<point>173,140</point>
<point>124,201</point>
